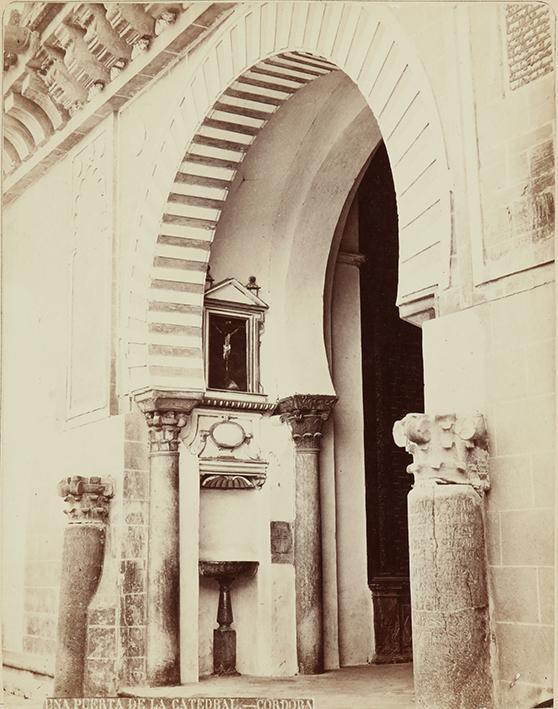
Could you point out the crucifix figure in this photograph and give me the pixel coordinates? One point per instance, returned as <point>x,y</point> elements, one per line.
<point>228,356</point>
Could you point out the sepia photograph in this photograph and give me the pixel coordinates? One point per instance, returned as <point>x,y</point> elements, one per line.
<point>277,412</point>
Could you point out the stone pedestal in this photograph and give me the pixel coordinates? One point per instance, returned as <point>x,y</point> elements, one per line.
<point>82,562</point>
<point>305,416</point>
<point>162,627</point>
<point>448,566</point>
<point>224,637</point>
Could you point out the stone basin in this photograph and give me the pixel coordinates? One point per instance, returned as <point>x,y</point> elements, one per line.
<point>227,569</point>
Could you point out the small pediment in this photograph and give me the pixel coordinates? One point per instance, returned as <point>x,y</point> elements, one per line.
<point>232,291</point>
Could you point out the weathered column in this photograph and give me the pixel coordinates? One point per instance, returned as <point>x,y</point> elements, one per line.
<point>448,565</point>
<point>162,623</point>
<point>305,415</point>
<point>82,562</point>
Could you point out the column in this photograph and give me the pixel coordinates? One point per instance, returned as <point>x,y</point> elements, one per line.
<point>162,622</point>
<point>82,562</point>
<point>306,415</point>
<point>448,565</point>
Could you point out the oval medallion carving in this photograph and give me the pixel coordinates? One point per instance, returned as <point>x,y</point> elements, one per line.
<point>228,434</point>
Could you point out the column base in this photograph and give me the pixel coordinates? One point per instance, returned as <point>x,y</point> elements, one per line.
<point>224,651</point>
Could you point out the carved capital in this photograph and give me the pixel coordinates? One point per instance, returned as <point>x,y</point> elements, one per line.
<point>164,429</point>
<point>448,448</point>
<point>306,414</point>
<point>87,499</point>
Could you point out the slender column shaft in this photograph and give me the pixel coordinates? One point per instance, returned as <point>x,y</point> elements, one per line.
<point>308,563</point>
<point>82,564</point>
<point>306,415</point>
<point>162,623</point>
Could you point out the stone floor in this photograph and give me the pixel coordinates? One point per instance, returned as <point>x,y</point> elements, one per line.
<point>367,687</point>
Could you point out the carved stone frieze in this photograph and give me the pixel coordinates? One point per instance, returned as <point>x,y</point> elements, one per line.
<point>164,429</point>
<point>447,448</point>
<point>306,415</point>
<point>87,498</point>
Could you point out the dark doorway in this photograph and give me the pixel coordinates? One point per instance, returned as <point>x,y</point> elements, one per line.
<point>392,386</point>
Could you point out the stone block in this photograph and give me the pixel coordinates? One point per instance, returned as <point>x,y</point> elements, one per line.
<point>541,367</point>
<point>101,642</point>
<point>135,512</point>
<point>133,641</point>
<point>133,609</point>
<point>546,594</point>
<point>41,600</point>
<point>133,576</point>
<point>511,486</point>
<point>38,646</point>
<point>524,317</point>
<point>101,678</point>
<point>510,424</point>
<point>543,472</point>
<point>136,455</point>
<point>527,537</point>
<point>40,625</point>
<point>515,594</point>
<point>527,651</point>
<point>135,428</point>
<point>541,432</point>
<point>507,374</point>
<point>101,616</point>
<point>133,671</point>
<point>134,544</point>
<point>493,537</point>
<point>135,485</point>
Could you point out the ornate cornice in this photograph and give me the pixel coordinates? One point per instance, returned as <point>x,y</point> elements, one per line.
<point>87,499</point>
<point>447,448</point>
<point>164,429</point>
<point>60,57</point>
<point>306,414</point>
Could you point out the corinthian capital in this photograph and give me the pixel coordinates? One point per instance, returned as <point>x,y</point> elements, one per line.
<point>87,499</point>
<point>306,414</point>
<point>164,429</point>
<point>448,448</point>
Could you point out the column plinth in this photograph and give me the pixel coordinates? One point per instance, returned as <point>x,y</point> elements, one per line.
<point>306,415</point>
<point>447,559</point>
<point>87,502</point>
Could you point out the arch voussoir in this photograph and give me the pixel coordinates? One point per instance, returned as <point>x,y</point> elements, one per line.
<point>261,57</point>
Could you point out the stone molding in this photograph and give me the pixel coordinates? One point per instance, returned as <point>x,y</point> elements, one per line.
<point>306,414</point>
<point>446,448</point>
<point>87,499</point>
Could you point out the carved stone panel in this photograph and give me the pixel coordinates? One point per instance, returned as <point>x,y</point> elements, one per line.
<point>90,282</point>
<point>282,543</point>
<point>228,448</point>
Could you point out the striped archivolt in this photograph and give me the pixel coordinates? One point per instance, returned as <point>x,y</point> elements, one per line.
<point>261,57</point>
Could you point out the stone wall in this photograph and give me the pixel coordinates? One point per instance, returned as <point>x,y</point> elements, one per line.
<point>501,362</point>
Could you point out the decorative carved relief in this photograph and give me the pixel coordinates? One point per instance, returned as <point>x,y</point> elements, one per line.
<point>448,448</point>
<point>228,450</point>
<point>87,498</point>
<point>164,429</point>
<point>17,39</point>
<point>306,414</point>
